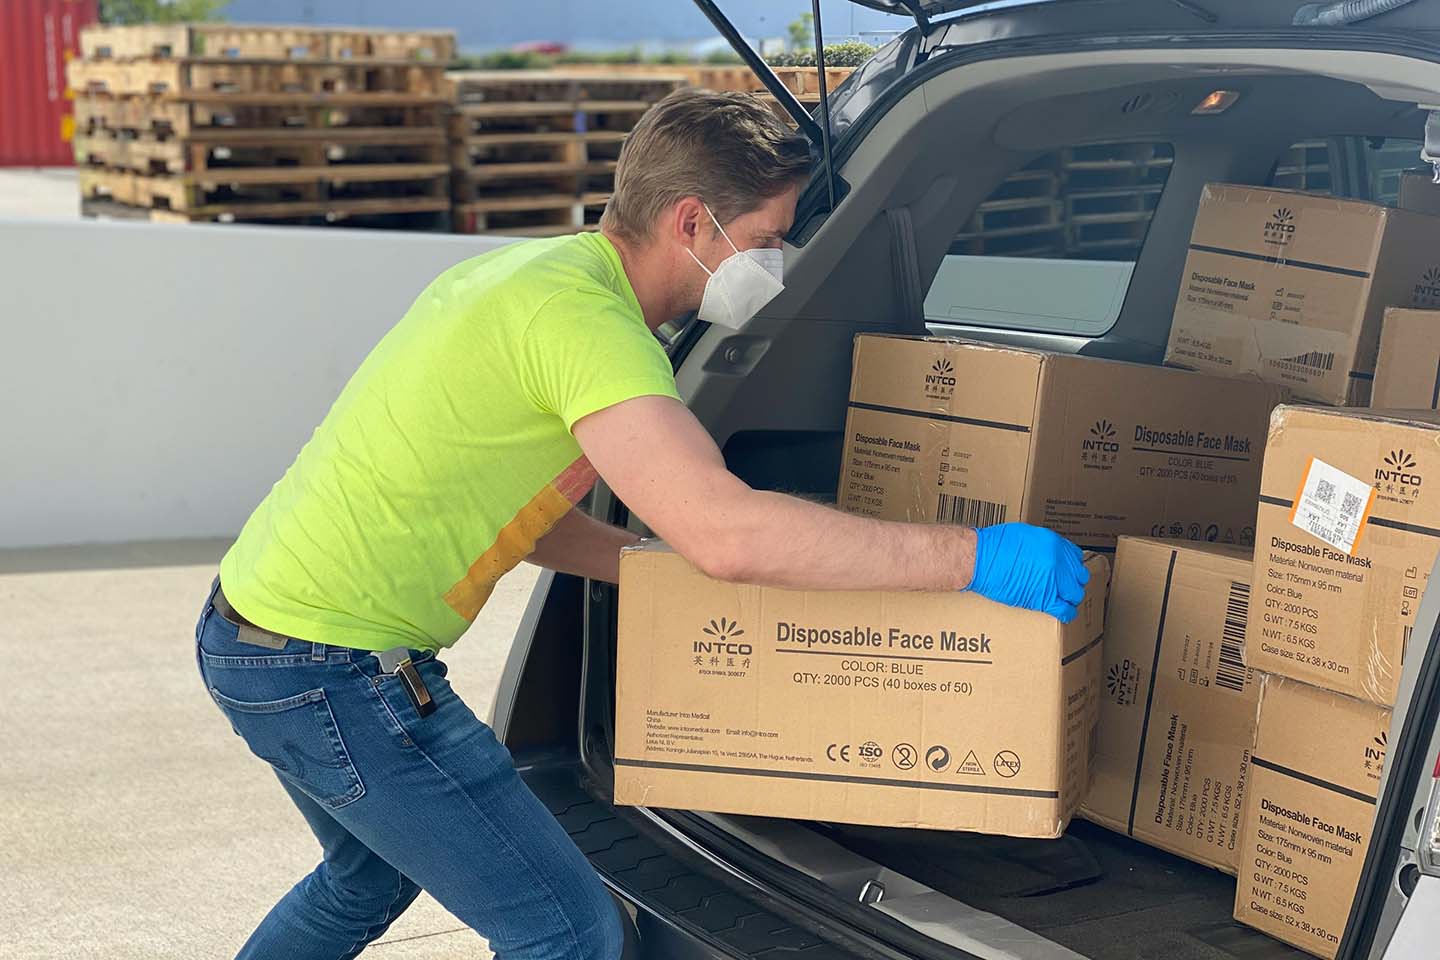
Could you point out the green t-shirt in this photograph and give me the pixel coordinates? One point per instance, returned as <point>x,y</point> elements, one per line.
<point>449,452</point>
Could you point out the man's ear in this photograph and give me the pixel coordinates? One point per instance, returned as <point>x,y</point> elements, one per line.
<point>687,216</point>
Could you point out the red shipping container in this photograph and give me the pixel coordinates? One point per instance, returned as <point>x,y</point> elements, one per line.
<point>37,37</point>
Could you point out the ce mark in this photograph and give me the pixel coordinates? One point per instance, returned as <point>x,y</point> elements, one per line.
<point>838,752</point>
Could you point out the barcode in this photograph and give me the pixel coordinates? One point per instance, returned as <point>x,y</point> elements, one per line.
<point>1314,359</point>
<point>971,512</point>
<point>1231,672</point>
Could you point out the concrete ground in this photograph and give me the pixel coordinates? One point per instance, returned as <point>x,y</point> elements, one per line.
<point>50,193</point>
<point>133,822</point>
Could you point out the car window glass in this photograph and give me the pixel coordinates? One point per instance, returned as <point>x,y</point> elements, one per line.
<point>1053,247</point>
<point>1365,168</point>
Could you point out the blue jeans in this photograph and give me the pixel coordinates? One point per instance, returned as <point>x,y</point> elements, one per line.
<point>399,803</point>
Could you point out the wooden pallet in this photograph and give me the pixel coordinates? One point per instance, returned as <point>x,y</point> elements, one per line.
<point>1027,212</point>
<point>531,214</point>
<point>278,42</point>
<point>804,82</point>
<point>552,86</point>
<point>259,193</point>
<point>240,149</point>
<point>1134,202</point>
<point>233,76</point>
<point>163,116</point>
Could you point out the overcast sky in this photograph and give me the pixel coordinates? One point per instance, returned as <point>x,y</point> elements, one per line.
<point>492,24</point>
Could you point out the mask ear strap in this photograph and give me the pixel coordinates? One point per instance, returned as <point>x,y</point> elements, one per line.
<point>721,229</point>
<point>702,266</point>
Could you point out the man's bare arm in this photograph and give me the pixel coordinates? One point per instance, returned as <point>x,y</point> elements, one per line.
<point>658,459</point>
<point>584,546</point>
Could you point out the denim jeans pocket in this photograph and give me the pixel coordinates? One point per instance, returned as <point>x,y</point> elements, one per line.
<point>298,737</point>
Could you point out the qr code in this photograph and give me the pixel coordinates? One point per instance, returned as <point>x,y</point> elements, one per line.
<point>1325,491</point>
<point>1350,507</point>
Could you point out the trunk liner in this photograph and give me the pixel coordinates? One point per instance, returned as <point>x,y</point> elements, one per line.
<point>663,881</point>
<point>1100,894</point>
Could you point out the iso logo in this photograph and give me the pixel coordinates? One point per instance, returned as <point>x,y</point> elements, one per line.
<point>870,751</point>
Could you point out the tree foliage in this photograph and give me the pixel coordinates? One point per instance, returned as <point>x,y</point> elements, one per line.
<point>126,12</point>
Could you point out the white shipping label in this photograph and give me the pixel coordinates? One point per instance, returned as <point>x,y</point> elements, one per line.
<point>1332,505</point>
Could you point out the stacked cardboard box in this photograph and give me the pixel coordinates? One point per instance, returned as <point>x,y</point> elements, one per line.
<point>1290,287</point>
<point>955,431</point>
<point>939,710</point>
<point>1346,539</point>
<point>1177,713</point>
<point>1407,373</point>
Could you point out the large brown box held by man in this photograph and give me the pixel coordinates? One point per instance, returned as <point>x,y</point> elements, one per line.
<point>1177,713</point>
<point>1348,529</point>
<point>940,710</point>
<point>1407,374</point>
<point>956,431</point>
<point>1309,809</point>
<point>1289,287</point>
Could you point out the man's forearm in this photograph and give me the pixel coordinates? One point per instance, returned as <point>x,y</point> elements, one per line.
<point>584,546</point>
<point>784,541</point>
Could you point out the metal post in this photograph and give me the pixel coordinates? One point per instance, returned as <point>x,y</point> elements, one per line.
<point>755,62</point>
<point>824,103</point>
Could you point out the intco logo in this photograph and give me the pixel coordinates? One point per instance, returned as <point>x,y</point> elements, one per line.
<point>1375,751</point>
<point>1102,437</point>
<point>1122,682</point>
<point>940,381</point>
<point>724,633</point>
<point>1427,291</point>
<point>1280,228</point>
<point>1098,449</point>
<point>1398,464</point>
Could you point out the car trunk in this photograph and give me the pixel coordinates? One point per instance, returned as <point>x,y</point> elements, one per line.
<point>1091,893</point>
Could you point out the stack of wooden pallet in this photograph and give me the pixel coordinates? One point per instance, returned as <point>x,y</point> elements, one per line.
<point>803,82</point>
<point>534,152</point>
<point>210,122</point>
<point>1089,201</point>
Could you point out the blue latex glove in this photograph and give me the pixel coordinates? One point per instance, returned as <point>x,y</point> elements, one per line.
<point>1025,566</point>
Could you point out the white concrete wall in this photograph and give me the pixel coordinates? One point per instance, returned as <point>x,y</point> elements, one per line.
<point>156,380</point>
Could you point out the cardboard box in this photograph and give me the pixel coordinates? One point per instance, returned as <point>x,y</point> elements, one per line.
<point>955,431</point>
<point>1407,374</point>
<point>1177,713</point>
<point>1289,287</point>
<point>1309,809</point>
<point>1419,192</point>
<point>1348,529</point>
<point>939,710</point>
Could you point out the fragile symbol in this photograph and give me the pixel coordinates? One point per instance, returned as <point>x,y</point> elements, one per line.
<point>1007,764</point>
<point>971,765</point>
<point>903,756</point>
<point>937,758</point>
<point>838,752</point>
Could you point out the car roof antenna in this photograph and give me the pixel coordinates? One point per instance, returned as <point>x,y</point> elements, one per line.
<point>819,137</point>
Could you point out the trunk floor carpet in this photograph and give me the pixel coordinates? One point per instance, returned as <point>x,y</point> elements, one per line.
<point>1100,894</point>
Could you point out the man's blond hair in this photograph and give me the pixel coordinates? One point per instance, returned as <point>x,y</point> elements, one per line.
<point>728,149</point>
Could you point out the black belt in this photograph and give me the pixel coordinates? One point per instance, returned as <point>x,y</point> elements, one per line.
<point>396,660</point>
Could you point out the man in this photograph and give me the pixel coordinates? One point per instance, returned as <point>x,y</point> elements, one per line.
<point>457,450</point>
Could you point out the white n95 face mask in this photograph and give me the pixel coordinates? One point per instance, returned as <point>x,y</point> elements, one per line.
<point>743,283</point>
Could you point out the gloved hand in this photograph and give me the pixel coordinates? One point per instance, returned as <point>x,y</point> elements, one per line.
<point>1031,567</point>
